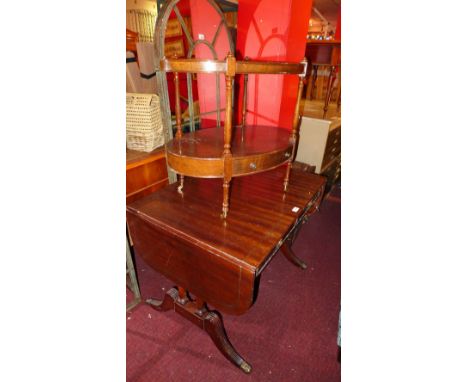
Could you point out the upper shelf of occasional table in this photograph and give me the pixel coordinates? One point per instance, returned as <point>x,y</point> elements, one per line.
<point>254,149</point>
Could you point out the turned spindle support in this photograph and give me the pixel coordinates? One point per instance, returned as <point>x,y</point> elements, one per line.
<point>329,91</point>
<point>178,113</point>
<point>244,103</point>
<point>177,106</point>
<point>227,154</point>
<point>244,100</point>
<point>295,128</point>
<point>314,80</point>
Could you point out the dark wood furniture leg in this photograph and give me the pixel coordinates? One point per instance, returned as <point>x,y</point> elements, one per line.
<point>286,247</point>
<point>227,153</point>
<point>291,256</point>
<point>207,320</point>
<point>329,91</point>
<point>295,127</point>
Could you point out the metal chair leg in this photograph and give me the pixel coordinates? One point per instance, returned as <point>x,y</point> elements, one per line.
<point>132,281</point>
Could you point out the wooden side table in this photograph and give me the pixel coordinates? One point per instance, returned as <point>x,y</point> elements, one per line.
<point>146,173</point>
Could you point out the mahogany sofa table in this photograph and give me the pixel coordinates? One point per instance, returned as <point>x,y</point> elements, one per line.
<point>215,261</point>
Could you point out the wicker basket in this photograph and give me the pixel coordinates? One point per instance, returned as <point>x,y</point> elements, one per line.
<point>144,124</point>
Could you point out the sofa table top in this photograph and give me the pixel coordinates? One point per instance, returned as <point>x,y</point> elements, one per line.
<point>260,216</point>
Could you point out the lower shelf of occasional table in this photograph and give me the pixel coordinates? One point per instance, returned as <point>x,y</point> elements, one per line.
<point>254,149</point>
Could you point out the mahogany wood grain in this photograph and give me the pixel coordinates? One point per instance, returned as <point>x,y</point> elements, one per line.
<point>145,173</point>
<point>193,65</point>
<point>226,164</point>
<point>136,158</point>
<point>269,67</point>
<point>183,236</point>
<point>220,261</point>
<point>324,51</point>
<point>254,149</point>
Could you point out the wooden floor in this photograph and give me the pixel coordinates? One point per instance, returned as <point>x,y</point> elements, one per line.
<point>314,109</point>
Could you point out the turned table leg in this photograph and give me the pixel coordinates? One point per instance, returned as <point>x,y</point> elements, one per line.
<point>207,320</point>
<point>226,187</point>
<point>227,153</point>
<point>286,177</point>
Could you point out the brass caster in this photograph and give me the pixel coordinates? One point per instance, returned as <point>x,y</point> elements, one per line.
<point>246,368</point>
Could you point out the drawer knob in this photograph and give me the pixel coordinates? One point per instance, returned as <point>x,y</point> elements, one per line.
<point>252,165</point>
<point>287,154</point>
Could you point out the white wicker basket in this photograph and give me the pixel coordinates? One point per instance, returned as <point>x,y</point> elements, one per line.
<point>144,124</point>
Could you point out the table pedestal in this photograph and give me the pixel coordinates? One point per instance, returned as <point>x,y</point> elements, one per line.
<point>197,312</point>
<point>210,321</point>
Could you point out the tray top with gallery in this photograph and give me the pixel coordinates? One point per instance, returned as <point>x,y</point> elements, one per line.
<point>231,151</point>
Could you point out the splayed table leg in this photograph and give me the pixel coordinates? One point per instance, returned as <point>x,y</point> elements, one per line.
<point>207,320</point>
<point>291,256</point>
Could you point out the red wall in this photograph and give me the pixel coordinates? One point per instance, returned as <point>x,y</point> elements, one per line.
<point>338,26</point>
<point>205,20</point>
<point>273,30</point>
<point>184,8</point>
